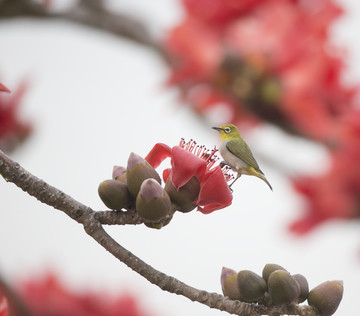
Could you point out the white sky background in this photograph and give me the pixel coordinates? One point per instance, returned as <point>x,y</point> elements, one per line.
<point>94,98</point>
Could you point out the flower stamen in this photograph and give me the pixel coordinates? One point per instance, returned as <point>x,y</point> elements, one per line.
<point>209,156</point>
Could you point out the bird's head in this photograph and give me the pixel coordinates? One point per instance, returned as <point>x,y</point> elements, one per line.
<point>228,131</point>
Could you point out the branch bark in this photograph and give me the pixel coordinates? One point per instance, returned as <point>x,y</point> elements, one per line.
<point>93,221</point>
<point>90,13</point>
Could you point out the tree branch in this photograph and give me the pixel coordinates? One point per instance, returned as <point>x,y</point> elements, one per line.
<point>92,222</point>
<point>91,13</point>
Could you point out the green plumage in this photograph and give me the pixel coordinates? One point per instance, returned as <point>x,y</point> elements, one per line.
<point>237,154</point>
<point>243,152</point>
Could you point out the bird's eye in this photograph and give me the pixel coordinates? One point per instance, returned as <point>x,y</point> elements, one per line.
<point>227,130</point>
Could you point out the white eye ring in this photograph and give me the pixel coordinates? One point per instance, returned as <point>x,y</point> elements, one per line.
<point>227,130</point>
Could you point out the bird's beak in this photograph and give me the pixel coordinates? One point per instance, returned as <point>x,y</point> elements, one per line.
<point>217,128</point>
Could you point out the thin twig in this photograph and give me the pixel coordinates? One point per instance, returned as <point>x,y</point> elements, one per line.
<point>92,222</point>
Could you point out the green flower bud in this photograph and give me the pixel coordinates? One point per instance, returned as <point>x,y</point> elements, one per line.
<point>114,194</point>
<point>252,287</point>
<point>304,287</point>
<point>138,170</point>
<point>270,268</point>
<point>186,195</point>
<point>282,287</point>
<point>326,297</point>
<point>152,202</point>
<point>229,283</point>
<point>119,173</point>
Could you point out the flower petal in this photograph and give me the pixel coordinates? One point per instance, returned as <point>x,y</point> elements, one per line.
<point>158,154</point>
<point>214,193</point>
<point>3,88</point>
<point>185,165</point>
<point>166,174</point>
<point>3,306</point>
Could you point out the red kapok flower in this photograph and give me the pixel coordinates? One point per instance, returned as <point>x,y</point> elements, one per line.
<point>3,88</point>
<point>335,194</point>
<point>48,297</point>
<point>12,129</point>
<point>3,305</point>
<point>256,59</point>
<point>190,160</point>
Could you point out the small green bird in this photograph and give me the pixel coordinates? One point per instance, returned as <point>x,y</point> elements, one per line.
<point>237,154</point>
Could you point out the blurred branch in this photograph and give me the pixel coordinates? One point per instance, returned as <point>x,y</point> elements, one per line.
<point>91,13</point>
<point>92,222</point>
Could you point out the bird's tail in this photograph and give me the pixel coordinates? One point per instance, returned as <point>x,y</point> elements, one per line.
<point>260,175</point>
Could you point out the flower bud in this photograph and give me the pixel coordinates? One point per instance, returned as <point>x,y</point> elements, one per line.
<point>229,283</point>
<point>114,194</point>
<point>252,287</point>
<point>326,297</point>
<point>304,287</point>
<point>282,287</point>
<point>119,173</point>
<point>160,224</point>
<point>186,195</point>
<point>270,268</point>
<point>152,202</point>
<point>138,170</point>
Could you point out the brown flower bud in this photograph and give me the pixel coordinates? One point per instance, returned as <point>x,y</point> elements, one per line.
<point>186,195</point>
<point>138,170</point>
<point>152,202</point>
<point>114,194</point>
<point>119,173</point>
<point>252,287</point>
<point>282,287</point>
<point>326,297</point>
<point>229,283</point>
<point>304,287</point>
<point>270,268</point>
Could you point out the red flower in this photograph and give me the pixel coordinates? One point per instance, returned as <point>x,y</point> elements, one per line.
<point>190,160</point>
<point>218,12</point>
<point>3,305</point>
<point>3,88</point>
<point>335,194</point>
<point>249,61</point>
<point>48,297</point>
<point>12,129</point>
<point>254,54</point>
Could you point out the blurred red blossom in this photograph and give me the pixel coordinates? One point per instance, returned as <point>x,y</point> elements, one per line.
<point>3,305</point>
<point>3,88</point>
<point>191,160</point>
<point>13,129</point>
<point>335,194</point>
<point>254,56</point>
<point>272,61</point>
<point>48,297</point>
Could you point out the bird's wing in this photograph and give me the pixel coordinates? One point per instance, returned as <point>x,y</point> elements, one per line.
<point>243,152</point>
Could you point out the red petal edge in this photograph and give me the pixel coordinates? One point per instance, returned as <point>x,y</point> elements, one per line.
<point>3,88</point>
<point>158,154</point>
<point>215,193</point>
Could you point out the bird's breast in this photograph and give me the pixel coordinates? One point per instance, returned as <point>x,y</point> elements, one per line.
<point>232,160</point>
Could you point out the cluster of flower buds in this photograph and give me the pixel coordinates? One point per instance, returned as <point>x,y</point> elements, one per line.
<point>139,187</point>
<point>277,286</point>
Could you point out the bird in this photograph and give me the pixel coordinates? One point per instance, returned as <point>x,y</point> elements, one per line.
<point>237,154</point>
